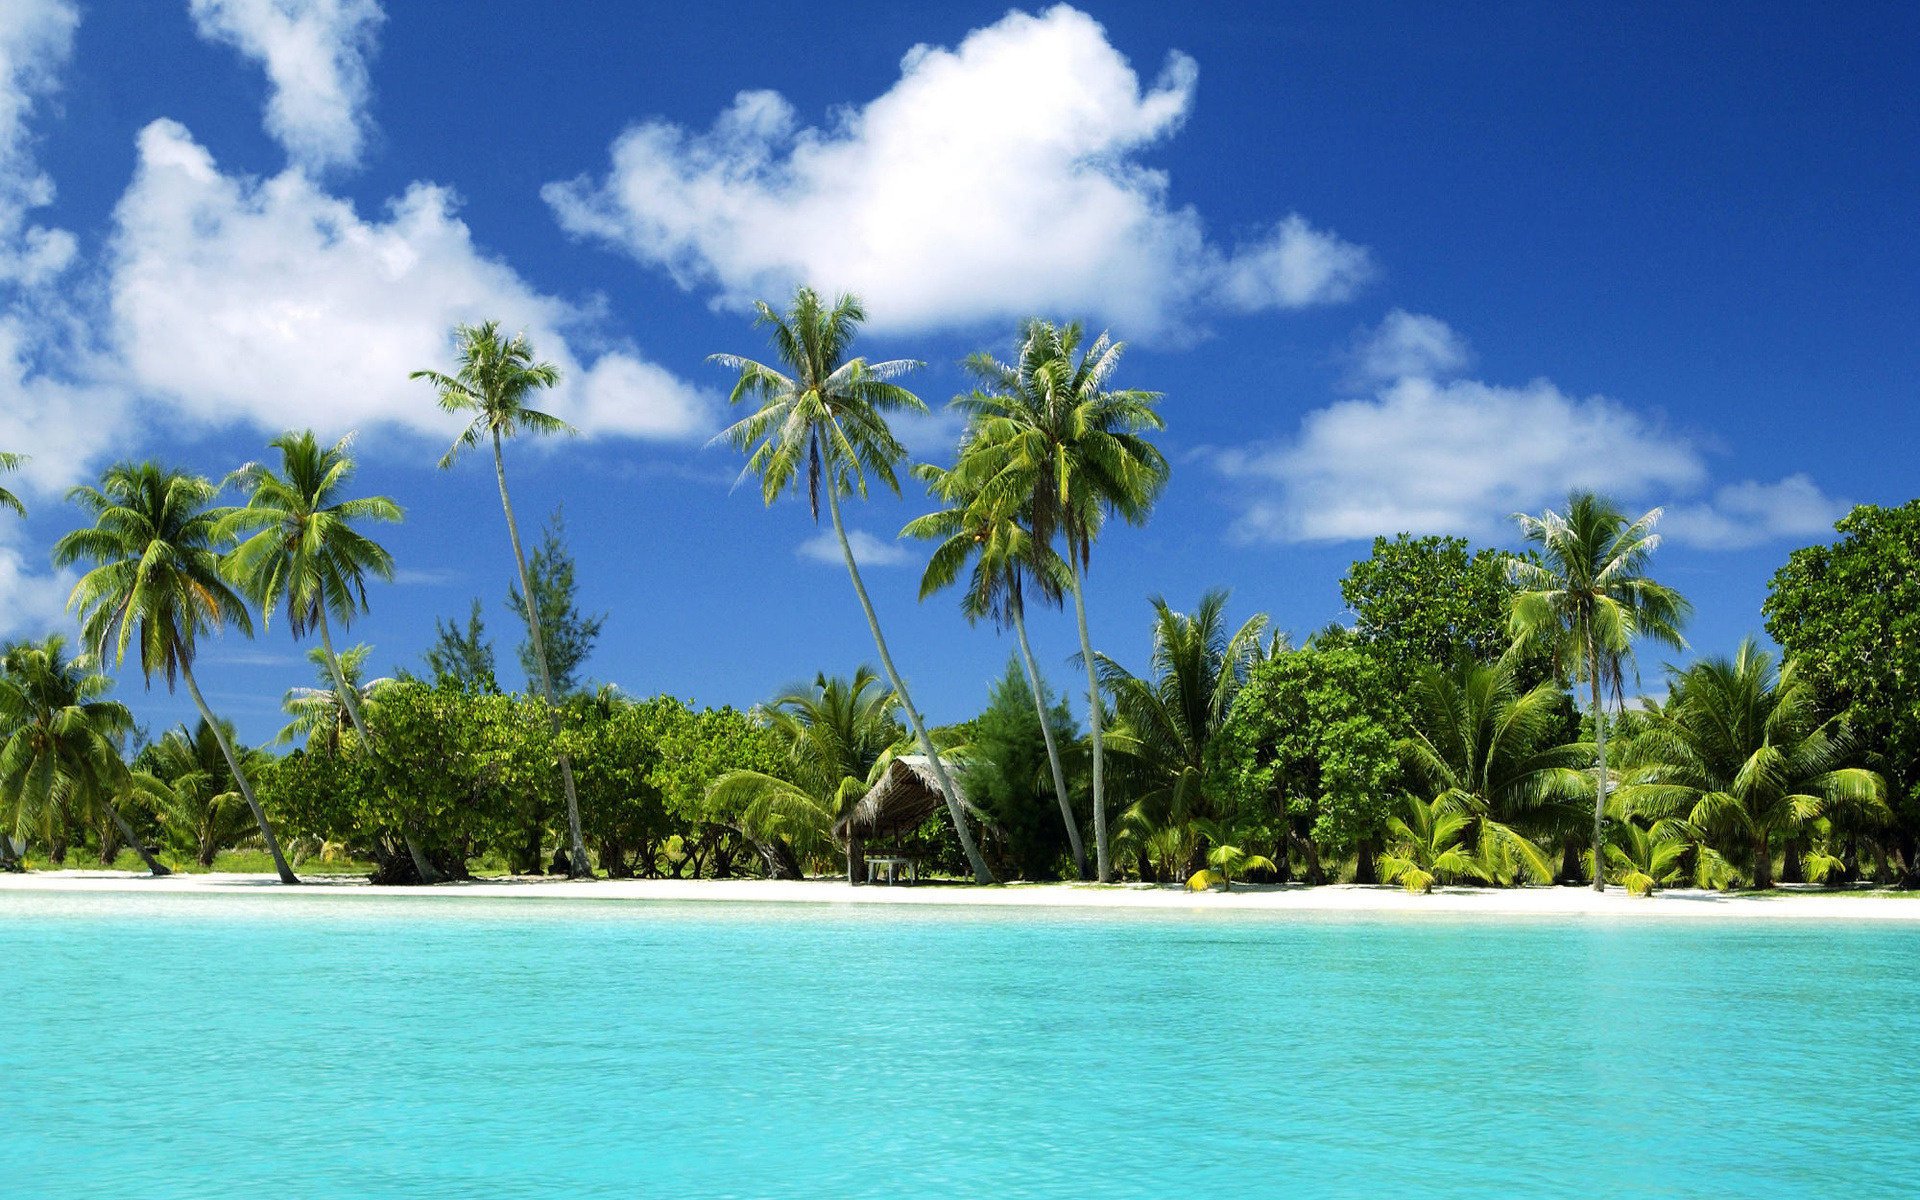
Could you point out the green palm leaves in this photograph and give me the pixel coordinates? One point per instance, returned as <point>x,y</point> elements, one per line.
<point>12,462</point>
<point>1587,600</point>
<point>824,418</point>
<point>1427,845</point>
<point>157,580</point>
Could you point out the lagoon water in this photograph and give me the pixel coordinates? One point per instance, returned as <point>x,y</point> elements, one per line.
<point>202,1046</point>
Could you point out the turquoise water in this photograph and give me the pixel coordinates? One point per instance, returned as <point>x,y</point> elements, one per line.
<point>201,1046</point>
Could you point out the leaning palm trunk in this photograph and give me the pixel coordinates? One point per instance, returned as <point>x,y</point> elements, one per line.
<point>980,872</point>
<point>1053,750</point>
<point>1102,853</point>
<point>350,700</point>
<point>578,863</point>
<point>239,777</point>
<point>1600,780</point>
<point>154,865</point>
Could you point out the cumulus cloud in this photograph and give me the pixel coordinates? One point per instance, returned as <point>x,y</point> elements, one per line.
<point>315,54</point>
<point>1423,454</point>
<point>993,180</point>
<point>274,302</point>
<point>36,39</point>
<point>868,550</point>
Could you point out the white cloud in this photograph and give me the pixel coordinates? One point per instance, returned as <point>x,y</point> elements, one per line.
<point>1410,344</point>
<point>868,550</point>
<point>1423,455</point>
<point>1751,513</point>
<point>315,53</point>
<point>32,603</point>
<point>274,302</point>
<point>993,180</point>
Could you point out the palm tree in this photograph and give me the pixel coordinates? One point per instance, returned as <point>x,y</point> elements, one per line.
<point>189,781</point>
<point>829,418</point>
<point>60,752</point>
<point>837,736</point>
<point>157,577</point>
<point>321,716</point>
<point>494,382</point>
<point>305,555</point>
<point>1427,846</point>
<point>1485,751</point>
<point>1005,558</point>
<point>1225,859</point>
<point>1586,599</point>
<point>1739,750</point>
<point>1050,439</point>
<point>1168,721</point>
<point>12,462</point>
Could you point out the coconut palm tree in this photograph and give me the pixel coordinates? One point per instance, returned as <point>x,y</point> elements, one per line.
<point>837,735</point>
<point>321,716</point>
<point>1426,844</point>
<point>157,579</point>
<point>1052,440</point>
<point>304,553</point>
<point>1225,859</point>
<point>1006,561</point>
<point>1169,720</point>
<point>1739,751</point>
<point>826,416</point>
<point>1485,751</point>
<point>494,383</point>
<point>1585,599</point>
<point>189,783</point>
<point>12,462</point>
<point>60,752</point>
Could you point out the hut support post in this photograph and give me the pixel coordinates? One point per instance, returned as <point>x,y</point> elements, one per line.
<point>856,861</point>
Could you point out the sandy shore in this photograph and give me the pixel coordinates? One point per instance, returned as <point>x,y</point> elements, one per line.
<point>1786,904</point>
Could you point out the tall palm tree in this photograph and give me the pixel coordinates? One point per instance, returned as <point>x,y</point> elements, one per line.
<point>12,462</point>
<point>828,417</point>
<point>304,553</point>
<point>1586,599</point>
<point>321,716</point>
<point>1482,749</point>
<point>1006,559</point>
<point>157,577</point>
<point>837,736</point>
<point>1739,751</point>
<point>1169,720</point>
<point>60,752</point>
<point>494,382</point>
<point>1052,440</point>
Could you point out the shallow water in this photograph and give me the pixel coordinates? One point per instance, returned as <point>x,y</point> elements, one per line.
<point>197,1046</point>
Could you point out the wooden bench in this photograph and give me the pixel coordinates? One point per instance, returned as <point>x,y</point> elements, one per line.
<point>893,863</point>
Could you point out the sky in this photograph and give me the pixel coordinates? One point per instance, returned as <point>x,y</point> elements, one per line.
<point>1393,268</point>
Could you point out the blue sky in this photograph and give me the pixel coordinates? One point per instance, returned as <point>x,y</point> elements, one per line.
<point>1393,268</point>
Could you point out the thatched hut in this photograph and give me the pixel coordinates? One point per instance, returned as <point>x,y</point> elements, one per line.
<point>906,795</point>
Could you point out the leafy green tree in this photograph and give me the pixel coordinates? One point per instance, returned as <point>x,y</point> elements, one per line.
<point>1009,763</point>
<point>61,754</point>
<point>1426,844</point>
<point>1848,616</point>
<point>1585,600</point>
<point>567,634</point>
<point>828,418</point>
<point>1739,750</point>
<point>462,658</point>
<point>1309,748</point>
<point>189,779</point>
<point>157,577</point>
<point>618,746</point>
<point>1007,562</point>
<point>1051,440</point>
<point>304,552</point>
<point>493,383</point>
<point>697,748</point>
<point>1481,749</point>
<point>12,462</point>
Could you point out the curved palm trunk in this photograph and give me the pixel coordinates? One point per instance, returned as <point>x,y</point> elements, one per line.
<point>980,872</point>
<point>1600,780</point>
<point>350,700</point>
<point>239,777</point>
<point>578,865</point>
<point>154,865</point>
<point>1103,858</point>
<point>1053,749</point>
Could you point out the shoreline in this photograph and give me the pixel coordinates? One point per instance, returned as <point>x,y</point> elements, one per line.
<point>1781,904</point>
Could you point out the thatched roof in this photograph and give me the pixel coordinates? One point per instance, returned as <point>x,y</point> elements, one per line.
<point>907,794</point>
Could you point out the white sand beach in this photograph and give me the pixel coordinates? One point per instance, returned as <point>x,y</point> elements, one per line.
<point>1782,904</point>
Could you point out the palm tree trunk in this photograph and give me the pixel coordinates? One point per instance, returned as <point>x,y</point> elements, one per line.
<point>154,865</point>
<point>239,777</point>
<point>1600,780</point>
<point>1103,870</point>
<point>578,865</point>
<point>980,872</point>
<point>1053,749</point>
<point>1762,860</point>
